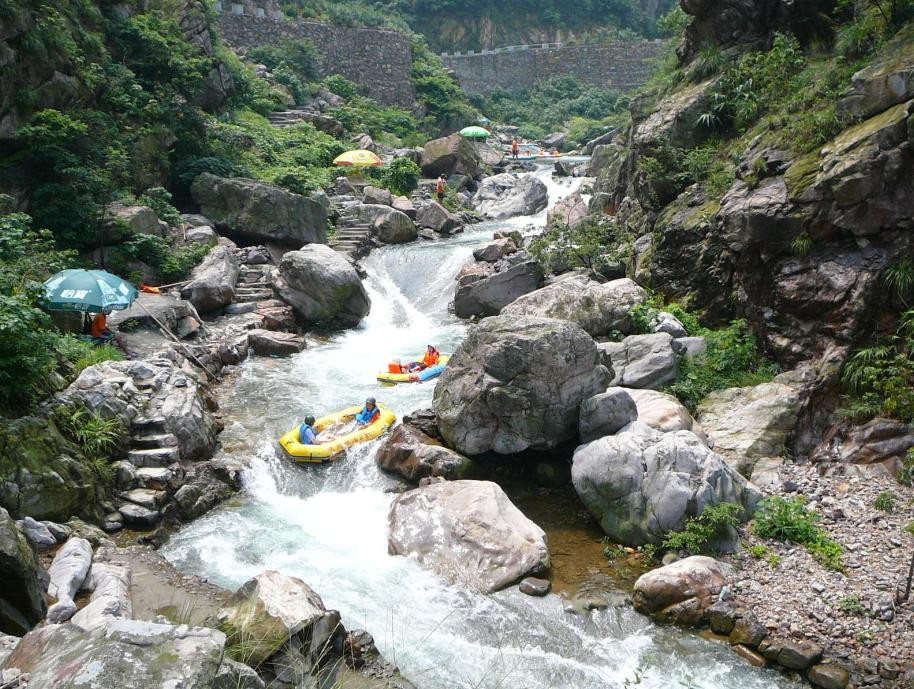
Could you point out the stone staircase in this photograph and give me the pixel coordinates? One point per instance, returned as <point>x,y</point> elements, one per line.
<point>352,238</point>
<point>253,284</point>
<point>286,118</point>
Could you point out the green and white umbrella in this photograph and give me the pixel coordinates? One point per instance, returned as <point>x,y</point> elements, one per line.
<point>87,290</point>
<point>475,133</point>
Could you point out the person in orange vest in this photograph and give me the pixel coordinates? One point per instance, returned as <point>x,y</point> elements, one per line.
<point>432,356</point>
<point>439,188</point>
<point>515,148</point>
<point>101,334</point>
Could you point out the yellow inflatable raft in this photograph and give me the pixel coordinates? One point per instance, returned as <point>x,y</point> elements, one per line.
<point>327,452</point>
<point>417,377</point>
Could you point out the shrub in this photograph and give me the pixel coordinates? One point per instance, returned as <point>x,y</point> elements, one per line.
<point>81,354</point>
<point>851,604</point>
<point>402,176</point>
<point>96,435</point>
<point>341,86</point>
<point>26,352</point>
<point>297,56</point>
<point>762,551</point>
<point>159,200</point>
<point>170,263</point>
<point>732,359</point>
<point>789,520</point>
<point>593,243</point>
<point>702,533</point>
<point>906,473</point>
<point>885,501</point>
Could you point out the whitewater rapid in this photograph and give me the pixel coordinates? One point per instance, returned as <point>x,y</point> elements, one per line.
<point>328,524</point>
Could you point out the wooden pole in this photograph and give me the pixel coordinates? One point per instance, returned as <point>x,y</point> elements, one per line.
<point>175,338</point>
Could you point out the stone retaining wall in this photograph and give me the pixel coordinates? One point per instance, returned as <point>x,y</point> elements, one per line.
<point>379,60</point>
<point>624,65</point>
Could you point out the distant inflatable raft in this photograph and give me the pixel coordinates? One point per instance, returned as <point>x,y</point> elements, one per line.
<point>418,376</point>
<point>327,452</point>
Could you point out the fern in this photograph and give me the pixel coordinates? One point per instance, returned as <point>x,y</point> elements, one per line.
<point>899,277</point>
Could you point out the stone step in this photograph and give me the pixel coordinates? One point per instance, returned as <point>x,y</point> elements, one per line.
<point>351,235</point>
<point>346,245</point>
<point>152,440</point>
<point>147,424</point>
<point>250,289</point>
<point>253,282</point>
<point>144,497</point>
<point>253,296</point>
<point>154,456</point>
<point>154,478</point>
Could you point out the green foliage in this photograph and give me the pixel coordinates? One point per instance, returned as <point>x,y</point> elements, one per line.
<point>851,604</point>
<point>791,521</point>
<point>28,257</point>
<point>26,353</point>
<point>159,200</point>
<point>885,501</point>
<point>439,92</point>
<point>170,263</point>
<point>801,244</point>
<point>899,277</point>
<point>701,534</point>
<point>906,473</point>
<point>732,359</point>
<point>670,170</point>
<point>81,354</point>
<point>593,244</point>
<point>763,551</point>
<point>880,379</point>
<point>673,24</point>
<point>549,105</point>
<point>96,435</point>
<point>298,54</point>
<point>341,86</point>
<point>402,176</point>
<point>361,114</point>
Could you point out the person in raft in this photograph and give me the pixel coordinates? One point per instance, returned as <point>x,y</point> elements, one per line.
<point>439,188</point>
<point>306,434</point>
<point>369,413</point>
<point>431,358</point>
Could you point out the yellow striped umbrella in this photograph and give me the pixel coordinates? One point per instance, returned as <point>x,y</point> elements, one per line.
<point>359,158</point>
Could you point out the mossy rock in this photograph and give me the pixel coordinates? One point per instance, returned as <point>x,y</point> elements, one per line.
<point>801,174</point>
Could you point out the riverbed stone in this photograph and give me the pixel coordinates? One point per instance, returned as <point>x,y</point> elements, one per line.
<point>271,609</point>
<point>799,655</point>
<point>469,531</point>
<point>534,586</point>
<point>436,217</point>
<point>110,599</point>
<point>682,592</point>
<point>495,250</point>
<point>235,675</point>
<point>827,676</point>
<point>390,225</point>
<point>67,573</point>
<point>598,308</point>
<point>569,212</point>
<point>270,343</point>
<point>321,286</point>
<point>606,413</point>
<point>139,517</point>
<point>748,630</point>
<point>517,382</point>
<point>375,195</point>
<point>38,534</point>
<point>412,454</point>
<point>663,412</point>
<point>494,290</point>
<point>640,484</point>
<point>129,653</point>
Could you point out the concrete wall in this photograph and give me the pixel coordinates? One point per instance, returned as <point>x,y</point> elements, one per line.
<point>623,66</point>
<point>379,60</point>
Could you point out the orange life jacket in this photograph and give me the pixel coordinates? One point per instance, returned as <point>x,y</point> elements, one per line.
<point>99,326</point>
<point>439,187</point>
<point>431,358</point>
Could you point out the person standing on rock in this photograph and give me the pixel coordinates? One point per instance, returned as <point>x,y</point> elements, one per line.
<point>515,148</point>
<point>439,188</point>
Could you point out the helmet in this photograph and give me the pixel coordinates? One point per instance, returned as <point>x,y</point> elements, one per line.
<point>372,401</point>
<point>309,420</point>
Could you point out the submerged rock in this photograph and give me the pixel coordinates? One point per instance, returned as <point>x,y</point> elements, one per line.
<point>639,484</point>
<point>409,452</point>
<point>321,286</point>
<point>467,530</point>
<point>517,382</point>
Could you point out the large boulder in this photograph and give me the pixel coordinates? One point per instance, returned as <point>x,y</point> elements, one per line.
<point>212,284</point>
<point>663,412</point>
<point>22,603</point>
<point>606,413</point>
<point>495,250</point>
<point>260,211</point>
<point>507,195</point>
<point>490,155</point>
<point>134,220</point>
<point>486,293</point>
<point>751,423</point>
<point>448,155</point>
<point>322,286</point>
<point>682,592</point>
<point>436,217</point>
<point>882,83</point>
<point>598,308</point>
<point>640,484</point>
<point>412,454</point>
<point>469,531</point>
<point>376,196</point>
<point>642,361</point>
<point>110,600</point>
<point>273,610</point>
<point>129,653</point>
<point>570,211</point>
<point>875,447</point>
<point>517,382</point>
<point>67,573</point>
<point>390,225</point>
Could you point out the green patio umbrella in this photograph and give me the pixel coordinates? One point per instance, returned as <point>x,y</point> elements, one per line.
<point>475,133</point>
<point>87,290</point>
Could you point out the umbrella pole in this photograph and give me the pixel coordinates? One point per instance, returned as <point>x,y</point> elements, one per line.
<point>174,337</point>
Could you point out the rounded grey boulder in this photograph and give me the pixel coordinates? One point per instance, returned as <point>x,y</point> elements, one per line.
<point>517,383</point>
<point>606,413</point>
<point>640,484</point>
<point>321,286</point>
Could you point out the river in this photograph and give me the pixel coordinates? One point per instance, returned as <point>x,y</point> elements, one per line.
<point>328,524</point>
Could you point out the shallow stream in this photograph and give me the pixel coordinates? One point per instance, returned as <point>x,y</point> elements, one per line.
<point>328,524</point>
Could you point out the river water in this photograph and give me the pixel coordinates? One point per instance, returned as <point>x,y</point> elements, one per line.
<point>328,524</point>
